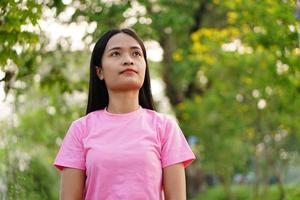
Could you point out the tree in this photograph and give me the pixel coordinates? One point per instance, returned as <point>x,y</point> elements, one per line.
<point>17,37</point>
<point>230,68</point>
<point>250,72</point>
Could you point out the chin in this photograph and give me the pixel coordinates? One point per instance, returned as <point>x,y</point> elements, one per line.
<point>127,86</point>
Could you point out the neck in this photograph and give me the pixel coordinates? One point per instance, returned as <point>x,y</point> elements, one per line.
<point>123,101</point>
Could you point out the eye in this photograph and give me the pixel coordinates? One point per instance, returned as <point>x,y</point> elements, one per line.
<point>137,53</point>
<point>115,53</point>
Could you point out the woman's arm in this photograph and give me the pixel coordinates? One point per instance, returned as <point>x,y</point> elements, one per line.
<point>174,182</point>
<point>72,184</point>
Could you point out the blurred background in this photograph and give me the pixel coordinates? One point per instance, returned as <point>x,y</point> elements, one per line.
<point>227,70</point>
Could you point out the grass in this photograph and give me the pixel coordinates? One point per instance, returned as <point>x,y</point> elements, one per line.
<point>244,192</point>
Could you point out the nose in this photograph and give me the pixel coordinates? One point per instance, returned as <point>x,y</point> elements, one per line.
<point>127,60</point>
<point>128,63</point>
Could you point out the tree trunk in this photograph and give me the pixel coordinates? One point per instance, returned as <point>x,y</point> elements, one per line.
<point>256,180</point>
<point>280,185</point>
<point>168,45</point>
<point>227,188</point>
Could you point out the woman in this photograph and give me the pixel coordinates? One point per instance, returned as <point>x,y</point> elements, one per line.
<point>122,148</point>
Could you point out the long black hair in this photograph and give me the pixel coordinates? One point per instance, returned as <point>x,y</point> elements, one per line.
<point>98,95</point>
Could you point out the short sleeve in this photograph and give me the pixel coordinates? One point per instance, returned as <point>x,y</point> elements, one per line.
<point>175,148</point>
<point>71,152</point>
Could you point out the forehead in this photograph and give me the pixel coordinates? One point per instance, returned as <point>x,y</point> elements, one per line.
<point>121,40</point>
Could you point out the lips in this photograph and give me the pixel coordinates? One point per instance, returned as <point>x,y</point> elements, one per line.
<point>128,70</point>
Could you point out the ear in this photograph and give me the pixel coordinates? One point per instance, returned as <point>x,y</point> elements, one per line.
<point>99,73</point>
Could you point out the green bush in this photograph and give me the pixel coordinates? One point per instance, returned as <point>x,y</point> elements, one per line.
<point>36,183</point>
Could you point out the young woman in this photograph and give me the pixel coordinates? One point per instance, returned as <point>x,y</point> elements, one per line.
<point>122,148</point>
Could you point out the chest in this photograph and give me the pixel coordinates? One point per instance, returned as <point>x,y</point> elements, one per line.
<point>122,148</point>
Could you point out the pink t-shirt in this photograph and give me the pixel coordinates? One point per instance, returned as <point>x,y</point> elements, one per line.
<point>123,154</point>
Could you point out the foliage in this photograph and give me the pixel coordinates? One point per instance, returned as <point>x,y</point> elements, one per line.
<point>231,71</point>
<point>28,148</point>
<point>243,192</point>
<point>250,72</point>
<point>14,35</point>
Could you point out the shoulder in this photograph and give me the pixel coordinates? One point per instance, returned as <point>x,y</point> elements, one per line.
<point>83,123</point>
<point>90,116</point>
<point>160,119</point>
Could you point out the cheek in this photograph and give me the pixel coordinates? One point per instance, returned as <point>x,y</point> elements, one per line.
<point>109,76</point>
<point>109,72</point>
<point>143,73</point>
<point>143,66</point>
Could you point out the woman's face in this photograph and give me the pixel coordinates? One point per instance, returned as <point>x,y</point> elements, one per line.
<point>123,64</point>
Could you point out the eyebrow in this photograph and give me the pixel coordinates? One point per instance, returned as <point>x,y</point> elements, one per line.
<point>118,48</point>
